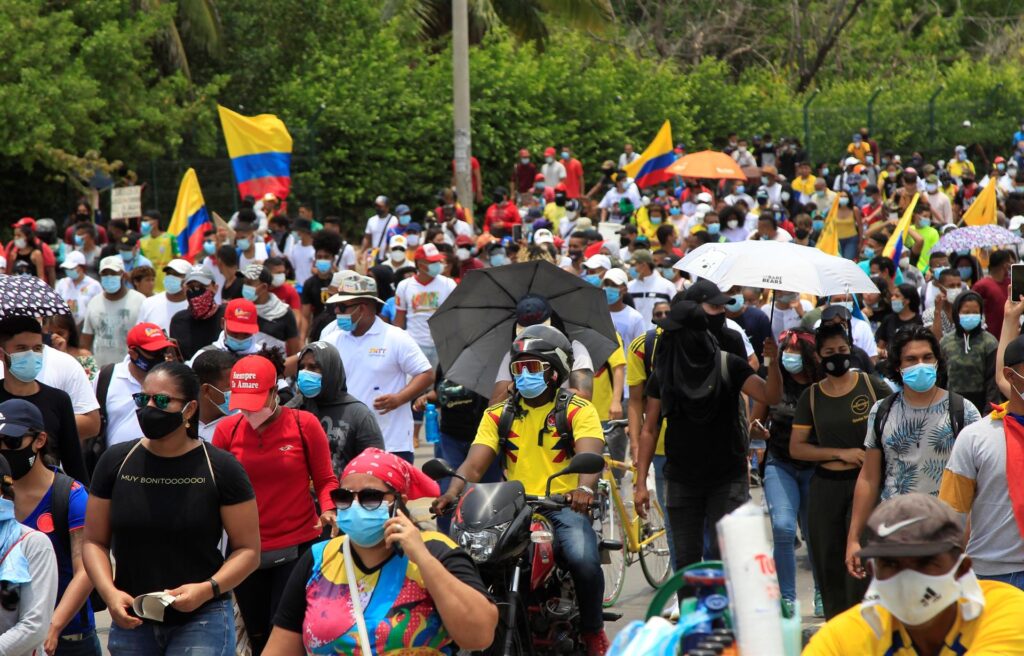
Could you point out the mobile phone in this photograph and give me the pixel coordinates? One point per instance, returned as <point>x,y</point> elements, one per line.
<point>517,232</point>
<point>394,545</point>
<point>1016,281</point>
<point>760,425</point>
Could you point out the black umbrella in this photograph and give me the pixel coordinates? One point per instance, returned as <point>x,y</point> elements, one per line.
<point>474,328</point>
<point>29,296</point>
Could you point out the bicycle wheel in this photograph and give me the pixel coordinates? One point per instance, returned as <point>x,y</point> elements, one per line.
<point>613,562</point>
<point>655,560</point>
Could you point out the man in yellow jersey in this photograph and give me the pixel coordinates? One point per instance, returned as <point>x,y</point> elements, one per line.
<point>925,599</point>
<point>533,447</point>
<point>157,246</point>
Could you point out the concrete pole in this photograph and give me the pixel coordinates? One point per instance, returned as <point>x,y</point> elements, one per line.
<point>460,87</point>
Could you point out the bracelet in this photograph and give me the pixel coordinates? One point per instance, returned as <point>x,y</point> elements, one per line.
<point>216,586</point>
<point>586,489</point>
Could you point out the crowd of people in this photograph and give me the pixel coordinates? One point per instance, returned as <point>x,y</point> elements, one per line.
<point>238,427</point>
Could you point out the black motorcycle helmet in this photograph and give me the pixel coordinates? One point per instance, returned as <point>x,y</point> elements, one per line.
<point>548,344</point>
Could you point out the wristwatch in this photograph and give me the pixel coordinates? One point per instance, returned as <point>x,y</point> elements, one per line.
<point>586,489</point>
<point>216,586</point>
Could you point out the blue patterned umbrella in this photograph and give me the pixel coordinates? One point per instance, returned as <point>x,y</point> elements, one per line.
<point>971,237</point>
<point>29,296</point>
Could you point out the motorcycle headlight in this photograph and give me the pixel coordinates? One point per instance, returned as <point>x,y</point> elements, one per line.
<point>480,544</point>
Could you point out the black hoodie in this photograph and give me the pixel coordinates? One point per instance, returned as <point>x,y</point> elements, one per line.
<point>350,426</point>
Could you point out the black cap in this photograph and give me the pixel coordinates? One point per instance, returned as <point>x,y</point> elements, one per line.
<point>705,291</point>
<point>532,309</point>
<point>18,417</point>
<point>1014,354</point>
<point>128,241</point>
<point>684,314</point>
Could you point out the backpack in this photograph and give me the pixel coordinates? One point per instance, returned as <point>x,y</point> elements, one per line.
<point>560,412</point>
<point>95,446</point>
<point>956,419</point>
<point>60,503</point>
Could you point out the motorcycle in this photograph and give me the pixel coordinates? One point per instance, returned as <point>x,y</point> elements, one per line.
<point>513,547</point>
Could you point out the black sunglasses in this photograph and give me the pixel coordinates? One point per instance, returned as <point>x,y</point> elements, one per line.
<point>14,443</point>
<point>160,400</point>
<point>369,499</point>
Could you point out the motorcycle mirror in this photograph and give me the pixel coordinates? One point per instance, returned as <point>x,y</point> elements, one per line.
<point>438,469</point>
<point>585,463</point>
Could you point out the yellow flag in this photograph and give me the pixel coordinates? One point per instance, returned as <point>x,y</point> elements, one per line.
<point>894,247</point>
<point>828,240</point>
<point>983,210</point>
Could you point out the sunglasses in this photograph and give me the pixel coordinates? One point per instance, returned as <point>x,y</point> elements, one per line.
<point>14,443</point>
<point>528,366</point>
<point>159,400</point>
<point>369,499</point>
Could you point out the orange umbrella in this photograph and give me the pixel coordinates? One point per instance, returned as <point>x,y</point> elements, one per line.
<point>708,164</point>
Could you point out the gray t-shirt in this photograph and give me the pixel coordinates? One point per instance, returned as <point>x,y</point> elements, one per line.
<point>917,444</point>
<point>23,630</point>
<point>109,322</point>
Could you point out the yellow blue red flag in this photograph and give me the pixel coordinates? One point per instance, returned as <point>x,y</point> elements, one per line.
<point>650,168</point>
<point>261,153</point>
<point>190,219</point>
<point>894,247</point>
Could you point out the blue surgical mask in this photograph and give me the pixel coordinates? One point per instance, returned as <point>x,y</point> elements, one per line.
<point>110,284</point>
<point>818,225</point>
<point>173,284</point>
<point>926,223</point>
<point>897,306</point>
<point>970,321</point>
<point>73,274</point>
<point>655,220</point>
<point>243,244</point>
<point>965,272</point>
<point>224,407</point>
<point>612,294</point>
<point>920,377</point>
<point>323,266</point>
<point>844,201</point>
<point>146,228</point>
<point>662,193</point>
<point>434,269</point>
<point>79,240</point>
<point>209,247</point>
<point>498,260</point>
<point>633,273</point>
<point>249,293</point>
<point>735,304</point>
<point>714,228</point>
<point>667,272</point>
<point>364,527</point>
<point>26,365</point>
<point>308,383</point>
<point>793,362</point>
<point>345,322</point>
<point>675,211</point>
<point>238,345</point>
<point>869,253</point>
<point>404,219</point>
<point>565,154</point>
<point>593,279</point>
<point>531,385</point>
<point>740,189</point>
<point>127,256</point>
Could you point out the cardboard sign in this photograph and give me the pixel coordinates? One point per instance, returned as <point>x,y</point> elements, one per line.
<point>126,202</point>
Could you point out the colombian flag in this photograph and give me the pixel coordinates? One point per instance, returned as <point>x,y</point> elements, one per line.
<point>650,168</point>
<point>894,247</point>
<point>261,153</point>
<point>190,218</point>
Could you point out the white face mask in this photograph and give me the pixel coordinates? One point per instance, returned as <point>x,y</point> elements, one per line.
<point>278,280</point>
<point>1015,390</point>
<point>397,256</point>
<point>462,253</point>
<point>915,598</point>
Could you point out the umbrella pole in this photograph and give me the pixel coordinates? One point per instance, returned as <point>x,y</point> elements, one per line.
<point>771,324</point>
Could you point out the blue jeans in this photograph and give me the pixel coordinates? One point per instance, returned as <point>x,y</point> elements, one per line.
<point>454,452</point>
<point>1016,579</point>
<point>786,489</point>
<point>576,551</point>
<point>210,631</point>
<point>659,492</point>
<point>89,645</point>
<point>848,248</point>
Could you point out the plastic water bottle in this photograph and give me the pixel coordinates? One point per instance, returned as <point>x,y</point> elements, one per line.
<point>431,424</point>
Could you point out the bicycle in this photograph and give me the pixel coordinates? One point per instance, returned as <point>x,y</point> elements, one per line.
<point>637,538</point>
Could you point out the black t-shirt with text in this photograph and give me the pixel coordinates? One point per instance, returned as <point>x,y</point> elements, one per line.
<point>165,514</point>
<point>840,421</point>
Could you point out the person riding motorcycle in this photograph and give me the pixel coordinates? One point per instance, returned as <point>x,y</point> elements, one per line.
<point>533,448</point>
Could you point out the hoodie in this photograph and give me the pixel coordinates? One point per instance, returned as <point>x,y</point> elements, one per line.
<point>971,357</point>
<point>350,426</point>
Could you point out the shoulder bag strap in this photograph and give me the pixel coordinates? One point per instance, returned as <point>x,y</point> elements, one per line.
<point>814,417</point>
<point>209,463</point>
<point>129,455</point>
<point>357,603</point>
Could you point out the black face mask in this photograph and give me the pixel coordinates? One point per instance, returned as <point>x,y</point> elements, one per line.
<point>21,461</point>
<point>836,364</point>
<point>716,322</point>
<point>575,255</point>
<point>157,424</point>
<point>624,242</point>
<point>801,233</point>
<point>560,200</point>
<point>144,363</point>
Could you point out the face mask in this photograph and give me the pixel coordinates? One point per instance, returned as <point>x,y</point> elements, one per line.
<point>732,224</point>
<point>462,253</point>
<point>238,345</point>
<point>364,527</point>
<point>593,279</point>
<point>655,219</point>
<point>931,187</point>
<point>1000,167</point>
<point>413,240</point>
<point>549,159</point>
<point>735,304</point>
<point>970,321</point>
<point>278,280</point>
<point>434,269</point>
<point>802,233</point>
<point>612,295</point>
<point>127,256</point>
<point>381,212</point>
<point>965,272</point>
<point>323,266</point>
<point>224,406</point>
<point>249,293</point>
<point>173,284</point>
<point>565,154</point>
<point>844,201</point>
<point>926,223</point>
<point>662,193</point>
<point>793,362</point>
<point>633,273</point>
<point>111,284</point>
<point>915,598</point>
<point>346,322</point>
<point>146,229</point>
<point>524,160</point>
<point>716,322</point>
<point>818,225</point>
<point>714,228</point>
<point>79,240</point>
<point>157,424</point>
<point>498,260</point>
<point>404,219</point>
<point>21,461</point>
<point>675,211</point>
<point>910,180</point>
<point>920,377</point>
<point>397,256</point>
<point>667,272</point>
<point>740,189</point>
<point>824,171</point>
<point>26,365</point>
<point>144,363</point>
<point>73,274</point>
<point>209,247</point>
<point>531,385</point>
<point>897,306</point>
<point>764,180</point>
<point>624,242</point>
<point>870,159</point>
<point>200,304</point>
<point>243,244</point>
<point>308,383</point>
<point>20,243</point>
<point>836,364</point>
<point>260,417</point>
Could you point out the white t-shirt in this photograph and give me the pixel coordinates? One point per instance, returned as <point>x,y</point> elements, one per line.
<point>109,322</point>
<point>420,302</point>
<point>77,296</point>
<point>581,361</point>
<point>346,258</point>
<point>612,197</point>
<point>159,310</point>
<point>206,430</point>
<point>553,173</point>
<point>259,254</point>
<point>646,292</point>
<point>381,361</point>
<point>461,228</point>
<point>629,324</point>
<point>860,331</point>
<point>785,319</point>
<point>375,227</point>
<point>64,372</point>
<point>122,423</point>
<point>302,258</point>
<point>729,323</point>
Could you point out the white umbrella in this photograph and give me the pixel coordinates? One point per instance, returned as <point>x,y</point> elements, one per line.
<point>776,265</point>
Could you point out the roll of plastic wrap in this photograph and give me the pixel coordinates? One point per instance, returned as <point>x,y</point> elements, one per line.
<point>743,536</point>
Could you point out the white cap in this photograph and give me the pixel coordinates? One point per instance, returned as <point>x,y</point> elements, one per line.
<point>704,197</point>
<point>599,261</point>
<point>73,260</point>
<point>962,149</point>
<point>543,236</point>
<point>380,200</point>
<point>702,209</point>
<point>1016,222</point>
<point>112,263</point>
<point>617,276</point>
<point>179,266</point>
<point>397,241</point>
<point>851,161</point>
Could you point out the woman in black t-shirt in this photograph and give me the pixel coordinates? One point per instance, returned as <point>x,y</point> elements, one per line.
<point>163,502</point>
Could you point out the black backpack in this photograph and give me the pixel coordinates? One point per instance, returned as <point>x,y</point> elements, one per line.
<point>956,419</point>
<point>560,412</point>
<point>95,446</point>
<point>60,504</point>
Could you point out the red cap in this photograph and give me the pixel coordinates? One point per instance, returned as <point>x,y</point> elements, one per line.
<point>148,337</point>
<point>593,249</point>
<point>523,152</point>
<point>240,317</point>
<point>549,151</point>
<point>999,159</point>
<point>252,379</point>
<point>561,187</point>
<point>26,221</point>
<point>429,253</point>
<point>539,177</point>
<point>464,240</point>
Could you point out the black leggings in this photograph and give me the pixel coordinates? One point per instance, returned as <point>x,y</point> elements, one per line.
<point>258,596</point>
<point>829,506</point>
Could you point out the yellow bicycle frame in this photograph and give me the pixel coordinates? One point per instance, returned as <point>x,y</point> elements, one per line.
<point>632,524</point>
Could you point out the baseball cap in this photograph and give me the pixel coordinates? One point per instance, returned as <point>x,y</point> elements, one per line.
<point>200,274</point>
<point>127,242</point>
<point>593,249</point>
<point>961,149</point>
<point>911,525</point>
<point>617,276</point>
<point>704,197</point>
<point>599,261</point>
<point>1016,222</point>
<point>1014,354</point>
<point>380,200</point>
<point>524,152</point>
<point>257,272</point>
<point>642,255</point>
<point>178,266</point>
<point>72,260</point>
<point>402,209</point>
<point>269,196</point>
<point>112,263</point>
<point>543,236</point>
<point>549,151</point>
<point>429,253</point>
<point>397,241</point>
<point>532,309</point>
<point>253,378</point>
<point>17,417</point>
<point>148,337</point>
<point>770,170</point>
<point>705,291</point>
<point>934,179</point>
<point>26,222</point>
<point>356,287</point>
<point>240,317</point>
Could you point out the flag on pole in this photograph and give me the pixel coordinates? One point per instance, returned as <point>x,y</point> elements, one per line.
<point>894,247</point>
<point>261,153</point>
<point>190,218</point>
<point>983,210</point>
<point>650,168</point>
<point>828,240</point>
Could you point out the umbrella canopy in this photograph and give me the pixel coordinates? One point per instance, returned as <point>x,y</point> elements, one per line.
<point>776,265</point>
<point>971,237</point>
<point>474,328</point>
<point>29,296</point>
<point>708,164</point>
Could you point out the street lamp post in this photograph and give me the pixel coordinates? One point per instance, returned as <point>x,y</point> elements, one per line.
<point>460,88</point>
